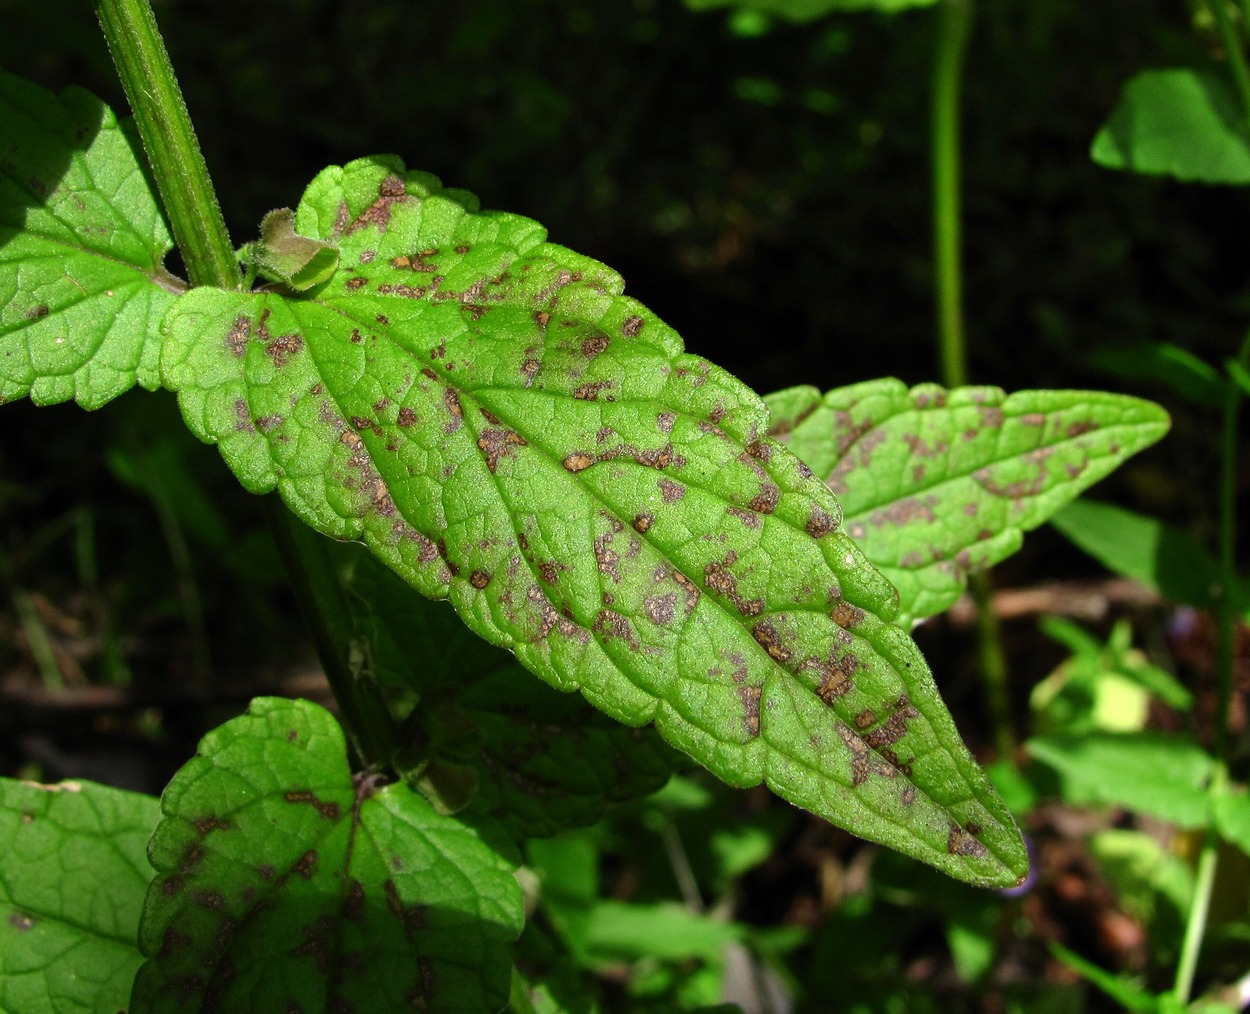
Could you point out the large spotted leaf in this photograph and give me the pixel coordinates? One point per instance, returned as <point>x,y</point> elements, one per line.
<point>286,883</point>
<point>937,484</point>
<point>82,241</point>
<point>501,426</point>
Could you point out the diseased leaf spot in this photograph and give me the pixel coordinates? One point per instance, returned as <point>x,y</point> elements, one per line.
<point>354,903</point>
<point>670,491</point>
<point>306,864</point>
<point>236,338</point>
<point>691,589</point>
<point>452,401</point>
<point>407,417</point>
<point>578,460</point>
<point>21,922</point>
<point>281,349</point>
<point>390,191</point>
<point>610,624</point>
<point>865,718</point>
<point>1033,419</point>
<point>211,822</point>
<point>359,282</point>
<point>499,443</point>
<point>665,420</point>
<point>592,347</point>
<point>329,810</point>
<point>846,615</point>
<point>717,576</point>
<point>821,523</point>
<point>479,579</point>
<point>747,517</point>
<point>770,640</point>
<point>591,391</point>
<point>750,697</point>
<point>962,843</point>
<point>631,326</point>
<point>895,727</point>
<point>643,522</point>
<point>209,899</point>
<point>1080,428</point>
<point>660,609</point>
<point>38,312</point>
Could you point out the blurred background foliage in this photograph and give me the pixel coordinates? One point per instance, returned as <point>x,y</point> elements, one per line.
<point>764,187</point>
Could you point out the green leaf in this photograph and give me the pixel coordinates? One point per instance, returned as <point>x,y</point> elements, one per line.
<point>1162,775</point>
<point>937,484</point>
<point>72,880</point>
<point>1160,556</point>
<point>82,241</point>
<point>1123,991</point>
<point>542,760</point>
<point>1177,123</point>
<point>282,256</point>
<point>1232,819</point>
<point>807,10</point>
<point>1164,363</point>
<point>502,427</point>
<point>285,882</point>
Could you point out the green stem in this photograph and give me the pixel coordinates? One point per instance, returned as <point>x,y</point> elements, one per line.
<point>319,590</point>
<point>173,152</point>
<point>954,27</point>
<point>1234,51</point>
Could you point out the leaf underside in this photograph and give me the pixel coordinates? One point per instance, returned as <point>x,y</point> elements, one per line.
<point>937,484</point>
<point>286,883</point>
<point>82,241</point>
<point>540,760</point>
<point>72,878</point>
<point>502,427</point>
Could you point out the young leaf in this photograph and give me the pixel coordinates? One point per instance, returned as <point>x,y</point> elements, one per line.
<point>543,760</point>
<point>1177,123</point>
<point>82,287</point>
<point>281,255</point>
<point>502,427</point>
<point>72,880</point>
<point>936,484</point>
<point>286,883</point>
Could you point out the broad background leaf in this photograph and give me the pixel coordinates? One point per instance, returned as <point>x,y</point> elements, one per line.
<point>1177,123</point>
<point>936,484</point>
<point>1149,772</point>
<point>502,427</point>
<point>82,241</point>
<point>285,883</point>
<point>73,873</point>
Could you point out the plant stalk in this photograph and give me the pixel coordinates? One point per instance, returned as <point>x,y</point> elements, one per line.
<point>951,47</point>
<point>319,590</point>
<point>173,151</point>
<point>1236,54</point>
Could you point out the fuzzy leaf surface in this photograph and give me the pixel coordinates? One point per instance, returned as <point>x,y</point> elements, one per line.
<point>936,484</point>
<point>541,760</point>
<point>1177,123</point>
<point>82,241</point>
<point>285,883</point>
<point>499,424</point>
<point>72,880</point>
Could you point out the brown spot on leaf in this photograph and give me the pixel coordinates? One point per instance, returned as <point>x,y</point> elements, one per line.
<point>499,443</point>
<point>354,903</point>
<point>765,501</point>
<point>282,348</point>
<point>452,401</point>
<point>479,579</point>
<point>606,558</point>
<point>1076,429</point>
<point>590,391</point>
<point>211,822</point>
<point>390,192</point>
<point>961,843</point>
<point>1033,419</point>
<point>821,523</point>
<point>610,624</point>
<point>21,922</point>
<point>748,518</point>
<point>578,460</point>
<point>895,727</point>
<point>750,697</point>
<point>592,347</point>
<point>717,576</point>
<point>846,615</point>
<point>691,589</point>
<point>643,522</point>
<point>769,639</point>
<point>236,339</point>
<point>631,326</point>
<point>42,310</point>
<point>306,864</point>
<point>671,491</point>
<point>407,417</point>
<point>329,810</point>
<point>664,421</point>
<point>214,900</point>
<point>359,282</point>
<point>660,609</point>
<point>865,718</point>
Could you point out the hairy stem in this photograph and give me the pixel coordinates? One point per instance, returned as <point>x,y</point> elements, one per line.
<point>173,151</point>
